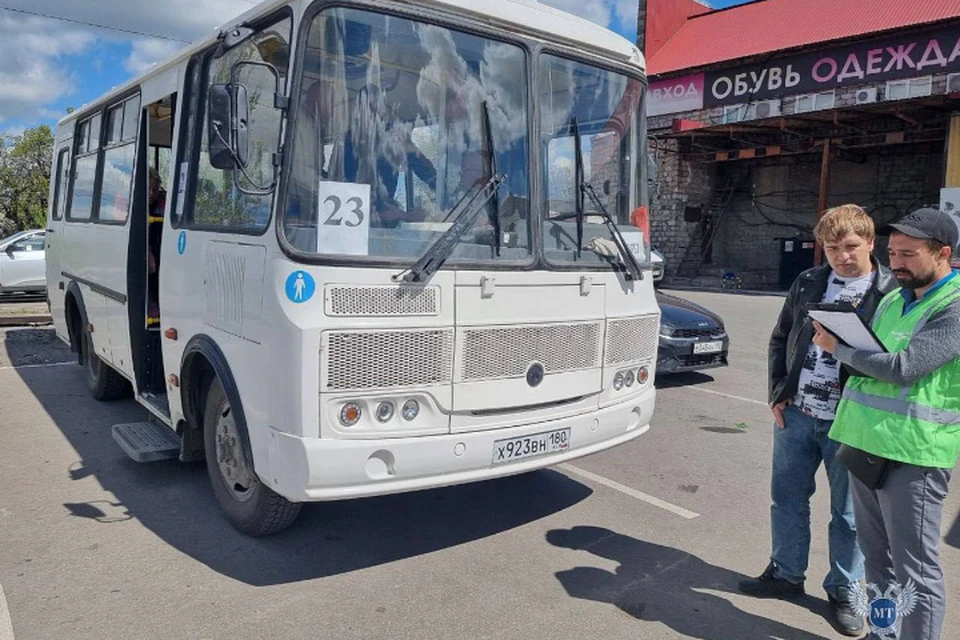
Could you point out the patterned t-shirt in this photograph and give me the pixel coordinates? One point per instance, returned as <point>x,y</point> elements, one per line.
<point>818,391</point>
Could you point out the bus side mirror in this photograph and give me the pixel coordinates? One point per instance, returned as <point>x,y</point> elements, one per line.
<point>227,118</point>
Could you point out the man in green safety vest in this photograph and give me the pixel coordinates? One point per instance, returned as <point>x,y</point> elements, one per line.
<point>902,409</point>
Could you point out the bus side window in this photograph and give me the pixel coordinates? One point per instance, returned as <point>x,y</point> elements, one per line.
<point>217,202</point>
<point>63,169</point>
<point>84,174</point>
<point>118,161</point>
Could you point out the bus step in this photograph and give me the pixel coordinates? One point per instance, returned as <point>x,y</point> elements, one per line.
<point>147,441</point>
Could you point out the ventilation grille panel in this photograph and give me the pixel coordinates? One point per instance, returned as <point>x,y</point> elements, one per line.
<point>386,359</point>
<point>373,301</point>
<point>632,340</point>
<point>224,279</point>
<point>506,352</point>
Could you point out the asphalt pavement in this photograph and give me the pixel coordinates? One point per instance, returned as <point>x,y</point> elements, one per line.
<point>643,542</point>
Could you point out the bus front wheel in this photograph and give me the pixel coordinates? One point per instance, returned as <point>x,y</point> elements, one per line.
<point>250,506</point>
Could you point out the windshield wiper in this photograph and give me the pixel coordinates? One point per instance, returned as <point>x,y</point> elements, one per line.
<point>464,214</point>
<point>492,171</point>
<point>626,256</point>
<point>584,188</point>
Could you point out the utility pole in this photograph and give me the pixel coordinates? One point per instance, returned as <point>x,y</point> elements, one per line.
<point>642,26</point>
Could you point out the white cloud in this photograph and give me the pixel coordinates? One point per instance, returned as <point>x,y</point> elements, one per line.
<point>33,68</point>
<point>148,51</point>
<point>186,20</point>
<point>598,11</point>
<point>627,11</point>
<point>12,132</point>
<point>30,76</point>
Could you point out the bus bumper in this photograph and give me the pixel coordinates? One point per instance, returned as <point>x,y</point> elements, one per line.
<point>316,469</point>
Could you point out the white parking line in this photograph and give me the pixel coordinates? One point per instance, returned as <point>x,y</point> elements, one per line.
<point>37,366</point>
<point>633,493</point>
<point>725,395</point>
<point>6,625</point>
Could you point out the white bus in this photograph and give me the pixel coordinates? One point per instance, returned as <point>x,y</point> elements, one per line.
<point>352,249</point>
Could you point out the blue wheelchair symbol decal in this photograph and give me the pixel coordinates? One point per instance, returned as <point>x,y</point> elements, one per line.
<point>300,287</point>
<point>182,242</point>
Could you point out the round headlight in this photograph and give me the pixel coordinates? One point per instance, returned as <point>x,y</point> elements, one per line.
<point>643,375</point>
<point>350,414</point>
<point>411,409</point>
<point>618,381</point>
<point>384,411</point>
<point>628,378</point>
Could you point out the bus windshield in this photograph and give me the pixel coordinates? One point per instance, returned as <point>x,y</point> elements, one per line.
<point>590,142</point>
<point>395,121</point>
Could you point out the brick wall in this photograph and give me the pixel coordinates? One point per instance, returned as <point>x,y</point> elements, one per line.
<point>777,198</point>
<point>680,183</point>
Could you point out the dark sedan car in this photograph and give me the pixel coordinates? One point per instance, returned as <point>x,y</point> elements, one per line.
<point>691,337</point>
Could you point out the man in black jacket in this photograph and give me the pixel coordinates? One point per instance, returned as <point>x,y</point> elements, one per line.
<point>805,384</point>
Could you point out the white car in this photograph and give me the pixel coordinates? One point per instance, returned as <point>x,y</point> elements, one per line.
<point>22,262</point>
<point>659,264</point>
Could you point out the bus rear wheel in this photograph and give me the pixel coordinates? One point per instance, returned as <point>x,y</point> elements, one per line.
<point>103,381</point>
<point>250,506</point>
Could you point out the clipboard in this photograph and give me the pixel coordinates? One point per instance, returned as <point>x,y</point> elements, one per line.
<point>842,320</point>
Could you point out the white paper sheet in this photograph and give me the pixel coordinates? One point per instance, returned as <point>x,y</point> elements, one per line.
<point>848,327</point>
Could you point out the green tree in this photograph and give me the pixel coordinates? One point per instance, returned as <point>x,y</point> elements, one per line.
<point>25,179</point>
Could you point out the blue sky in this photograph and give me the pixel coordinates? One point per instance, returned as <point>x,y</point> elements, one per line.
<point>48,65</point>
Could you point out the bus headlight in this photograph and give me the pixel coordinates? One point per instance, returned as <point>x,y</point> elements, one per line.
<point>410,410</point>
<point>628,378</point>
<point>350,414</point>
<point>384,411</point>
<point>618,381</point>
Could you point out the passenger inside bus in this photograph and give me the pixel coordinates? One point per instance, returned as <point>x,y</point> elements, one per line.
<point>357,155</point>
<point>414,132</point>
<point>156,203</point>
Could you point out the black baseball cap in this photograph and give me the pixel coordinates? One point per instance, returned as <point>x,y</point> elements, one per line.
<point>929,224</point>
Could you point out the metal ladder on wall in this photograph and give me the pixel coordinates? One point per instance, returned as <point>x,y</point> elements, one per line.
<point>698,247</point>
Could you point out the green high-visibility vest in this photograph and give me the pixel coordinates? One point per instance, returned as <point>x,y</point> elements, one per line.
<point>919,424</point>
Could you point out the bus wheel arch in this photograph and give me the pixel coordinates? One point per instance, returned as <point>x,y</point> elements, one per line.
<point>103,381</point>
<point>216,420</point>
<point>76,319</point>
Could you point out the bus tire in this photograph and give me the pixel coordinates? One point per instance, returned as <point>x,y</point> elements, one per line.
<point>103,381</point>
<point>250,506</point>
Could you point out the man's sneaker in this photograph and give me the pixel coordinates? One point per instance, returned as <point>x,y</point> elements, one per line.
<point>849,623</point>
<point>769,586</point>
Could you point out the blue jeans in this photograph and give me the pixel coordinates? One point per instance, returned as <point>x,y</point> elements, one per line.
<point>798,450</point>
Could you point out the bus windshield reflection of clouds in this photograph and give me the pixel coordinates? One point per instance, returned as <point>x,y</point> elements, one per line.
<point>398,106</point>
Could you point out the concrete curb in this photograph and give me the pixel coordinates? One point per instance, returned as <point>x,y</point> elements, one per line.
<point>25,321</point>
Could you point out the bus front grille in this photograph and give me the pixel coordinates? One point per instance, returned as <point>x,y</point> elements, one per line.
<point>387,359</point>
<point>507,352</point>
<point>379,301</point>
<point>632,340</point>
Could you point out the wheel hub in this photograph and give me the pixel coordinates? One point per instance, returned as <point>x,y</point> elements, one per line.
<point>230,458</point>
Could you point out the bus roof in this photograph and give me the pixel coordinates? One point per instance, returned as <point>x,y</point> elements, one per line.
<point>528,15</point>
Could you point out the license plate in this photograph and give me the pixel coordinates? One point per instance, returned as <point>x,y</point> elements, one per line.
<point>707,347</point>
<point>530,446</point>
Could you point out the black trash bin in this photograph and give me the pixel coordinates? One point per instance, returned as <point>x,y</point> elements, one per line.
<point>796,255</point>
